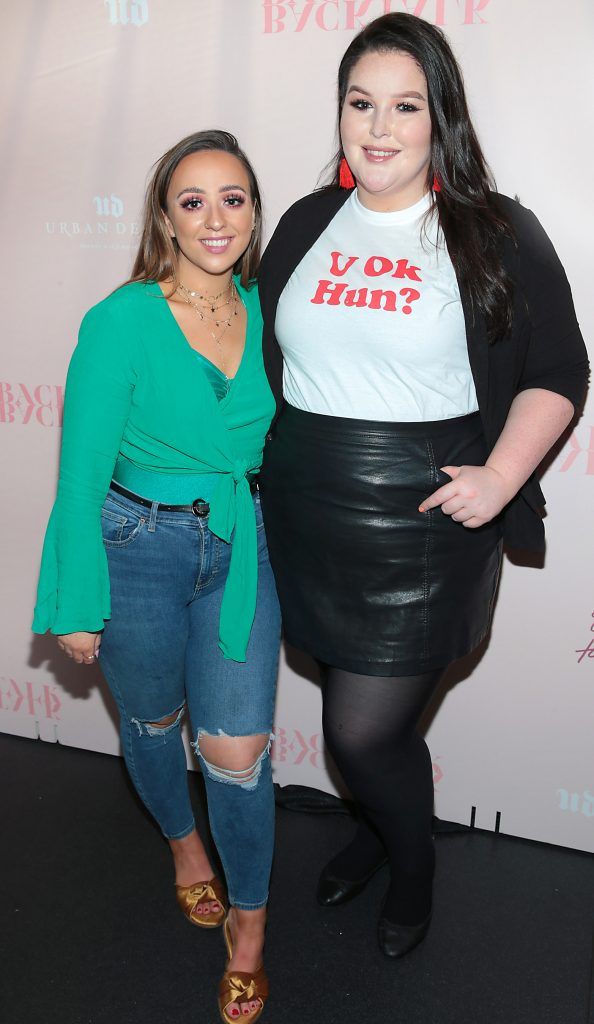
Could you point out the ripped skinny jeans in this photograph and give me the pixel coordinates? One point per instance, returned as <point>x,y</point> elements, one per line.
<point>160,653</point>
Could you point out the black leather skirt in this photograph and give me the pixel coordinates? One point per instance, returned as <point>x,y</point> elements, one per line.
<point>366,582</point>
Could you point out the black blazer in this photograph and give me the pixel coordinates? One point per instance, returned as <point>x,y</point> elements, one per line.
<point>544,349</point>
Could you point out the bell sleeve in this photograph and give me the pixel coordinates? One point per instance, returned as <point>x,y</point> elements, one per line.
<point>73,590</point>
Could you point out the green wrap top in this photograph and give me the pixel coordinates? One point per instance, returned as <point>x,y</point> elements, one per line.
<point>136,392</point>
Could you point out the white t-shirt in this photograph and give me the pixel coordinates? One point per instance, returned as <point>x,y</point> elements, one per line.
<point>371,324</point>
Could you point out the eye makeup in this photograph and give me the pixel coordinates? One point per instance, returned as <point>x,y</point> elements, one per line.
<point>230,199</point>
<point>404,106</point>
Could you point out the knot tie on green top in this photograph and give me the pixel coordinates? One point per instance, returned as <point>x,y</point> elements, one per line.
<point>232,518</point>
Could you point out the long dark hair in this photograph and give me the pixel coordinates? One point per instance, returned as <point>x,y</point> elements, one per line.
<point>473,226</point>
<point>156,259</point>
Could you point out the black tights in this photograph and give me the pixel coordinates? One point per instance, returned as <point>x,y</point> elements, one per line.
<point>370,730</point>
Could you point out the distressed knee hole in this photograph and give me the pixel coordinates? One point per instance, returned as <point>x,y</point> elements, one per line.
<point>162,726</point>
<point>245,777</point>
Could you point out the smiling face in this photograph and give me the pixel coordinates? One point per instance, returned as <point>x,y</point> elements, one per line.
<point>385,129</point>
<point>210,213</point>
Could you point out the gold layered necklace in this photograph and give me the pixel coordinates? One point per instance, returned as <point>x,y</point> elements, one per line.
<point>203,305</point>
<point>207,300</point>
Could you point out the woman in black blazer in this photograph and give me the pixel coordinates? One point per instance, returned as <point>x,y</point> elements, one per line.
<point>422,345</point>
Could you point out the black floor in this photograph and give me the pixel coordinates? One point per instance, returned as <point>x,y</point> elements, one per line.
<point>91,933</point>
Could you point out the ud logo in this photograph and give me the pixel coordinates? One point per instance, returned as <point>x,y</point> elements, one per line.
<point>126,12</point>
<point>108,206</point>
<point>576,803</point>
<point>106,231</point>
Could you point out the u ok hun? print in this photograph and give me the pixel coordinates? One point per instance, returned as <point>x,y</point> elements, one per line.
<point>334,293</point>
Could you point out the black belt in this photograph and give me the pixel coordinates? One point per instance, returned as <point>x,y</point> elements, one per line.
<point>199,506</point>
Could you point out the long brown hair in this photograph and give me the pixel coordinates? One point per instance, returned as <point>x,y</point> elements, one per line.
<point>156,259</point>
<point>473,225</point>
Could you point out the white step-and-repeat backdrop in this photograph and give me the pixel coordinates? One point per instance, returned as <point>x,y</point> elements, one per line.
<point>95,91</point>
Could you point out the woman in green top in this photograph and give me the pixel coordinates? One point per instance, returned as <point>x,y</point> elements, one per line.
<point>155,553</point>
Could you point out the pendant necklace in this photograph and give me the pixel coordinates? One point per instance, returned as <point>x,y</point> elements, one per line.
<point>210,304</point>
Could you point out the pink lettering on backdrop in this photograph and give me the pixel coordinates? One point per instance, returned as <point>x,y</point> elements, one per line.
<point>577,450</point>
<point>328,24</point>
<point>355,11</point>
<point>353,15</point>
<point>42,404</point>
<point>275,14</point>
<point>292,747</point>
<point>472,9</point>
<point>29,698</point>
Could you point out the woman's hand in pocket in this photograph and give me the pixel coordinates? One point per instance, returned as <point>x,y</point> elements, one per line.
<point>473,497</point>
<point>82,647</point>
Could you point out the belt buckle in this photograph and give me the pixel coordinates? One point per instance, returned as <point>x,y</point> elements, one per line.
<point>200,508</point>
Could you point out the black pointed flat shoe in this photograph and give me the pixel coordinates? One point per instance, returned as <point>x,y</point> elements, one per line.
<point>332,891</point>
<point>396,940</point>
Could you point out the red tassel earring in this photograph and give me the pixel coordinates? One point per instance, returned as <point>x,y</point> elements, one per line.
<point>345,176</point>
<point>436,186</point>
